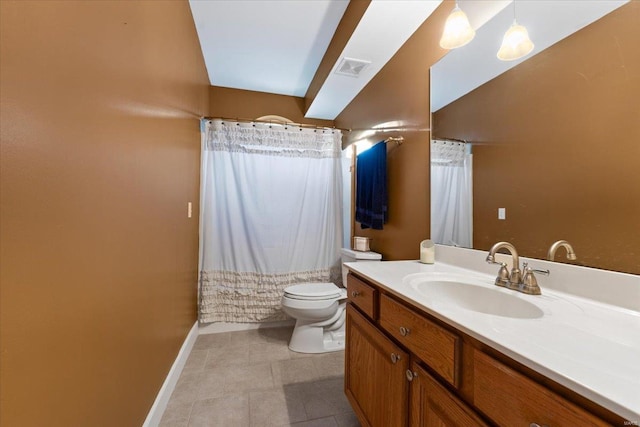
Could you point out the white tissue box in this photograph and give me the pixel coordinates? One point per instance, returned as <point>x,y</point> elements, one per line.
<point>361,244</point>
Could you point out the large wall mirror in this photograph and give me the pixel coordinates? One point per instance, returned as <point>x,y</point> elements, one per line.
<point>553,139</point>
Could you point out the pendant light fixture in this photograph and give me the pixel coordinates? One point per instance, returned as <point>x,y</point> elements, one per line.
<point>457,30</point>
<point>516,42</point>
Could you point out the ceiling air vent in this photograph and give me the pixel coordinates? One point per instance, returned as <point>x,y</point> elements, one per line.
<point>351,67</point>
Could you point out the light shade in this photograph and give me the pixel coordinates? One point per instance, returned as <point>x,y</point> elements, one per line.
<point>457,30</point>
<point>515,44</point>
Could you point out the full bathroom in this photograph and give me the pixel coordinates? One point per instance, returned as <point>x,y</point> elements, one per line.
<point>326,213</point>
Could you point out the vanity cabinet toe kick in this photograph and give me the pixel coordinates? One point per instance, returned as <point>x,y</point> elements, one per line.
<point>405,368</point>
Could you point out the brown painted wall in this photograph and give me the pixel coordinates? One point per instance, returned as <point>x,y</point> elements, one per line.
<point>398,96</point>
<point>556,142</point>
<point>100,155</point>
<point>247,104</point>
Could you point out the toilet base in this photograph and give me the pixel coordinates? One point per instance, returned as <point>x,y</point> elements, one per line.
<point>309,337</point>
<point>335,342</point>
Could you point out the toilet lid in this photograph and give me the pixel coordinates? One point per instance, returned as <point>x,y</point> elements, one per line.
<point>315,291</point>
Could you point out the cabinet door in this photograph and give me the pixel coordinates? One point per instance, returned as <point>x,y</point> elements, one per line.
<point>434,406</point>
<point>375,374</point>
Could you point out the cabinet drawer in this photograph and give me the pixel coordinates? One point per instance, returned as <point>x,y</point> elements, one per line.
<point>431,343</point>
<point>362,295</point>
<point>496,387</point>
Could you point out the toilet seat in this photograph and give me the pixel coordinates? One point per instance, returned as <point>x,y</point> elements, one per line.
<point>313,292</point>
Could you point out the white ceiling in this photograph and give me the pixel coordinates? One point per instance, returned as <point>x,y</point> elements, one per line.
<point>383,29</point>
<point>270,46</point>
<point>276,46</point>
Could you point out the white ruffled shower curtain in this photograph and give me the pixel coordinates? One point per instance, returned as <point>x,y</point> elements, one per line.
<point>451,194</point>
<point>271,216</point>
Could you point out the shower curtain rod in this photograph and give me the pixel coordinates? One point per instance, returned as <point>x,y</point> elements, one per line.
<point>276,122</point>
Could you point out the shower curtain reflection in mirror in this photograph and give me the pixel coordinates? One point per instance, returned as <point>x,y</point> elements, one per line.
<point>271,216</point>
<point>451,193</point>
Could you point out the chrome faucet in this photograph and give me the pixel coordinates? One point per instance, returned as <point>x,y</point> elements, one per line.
<point>514,280</point>
<point>571,255</point>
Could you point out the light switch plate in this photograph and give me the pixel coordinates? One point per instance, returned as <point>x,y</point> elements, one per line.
<point>502,213</point>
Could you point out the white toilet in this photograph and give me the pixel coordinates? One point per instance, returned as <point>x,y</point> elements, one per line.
<point>319,310</point>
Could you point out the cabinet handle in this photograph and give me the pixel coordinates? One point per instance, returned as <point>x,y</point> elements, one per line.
<point>410,374</point>
<point>355,294</point>
<point>404,331</point>
<point>395,358</point>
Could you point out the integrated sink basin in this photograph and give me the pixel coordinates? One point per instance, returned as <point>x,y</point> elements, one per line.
<point>473,295</point>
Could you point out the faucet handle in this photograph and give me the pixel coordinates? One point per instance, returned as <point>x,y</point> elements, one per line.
<point>535,270</point>
<point>503,275</point>
<point>491,260</point>
<point>529,282</point>
<point>543,272</point>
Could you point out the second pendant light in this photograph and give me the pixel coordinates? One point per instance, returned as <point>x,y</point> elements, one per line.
<point>516,42</point>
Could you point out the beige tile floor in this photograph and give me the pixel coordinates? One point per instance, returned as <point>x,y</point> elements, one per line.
<point>251,378</point>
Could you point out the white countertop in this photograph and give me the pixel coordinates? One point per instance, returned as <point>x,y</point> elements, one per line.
<point>593,348</point>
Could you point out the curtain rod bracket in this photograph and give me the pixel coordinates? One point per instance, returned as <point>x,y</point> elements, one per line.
<point>398,140</point>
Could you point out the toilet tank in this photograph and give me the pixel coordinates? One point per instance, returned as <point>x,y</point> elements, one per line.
<point>349,255</point>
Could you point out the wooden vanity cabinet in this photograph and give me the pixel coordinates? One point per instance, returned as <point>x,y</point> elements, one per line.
<point>405,368</point>
<point>375,374</point>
